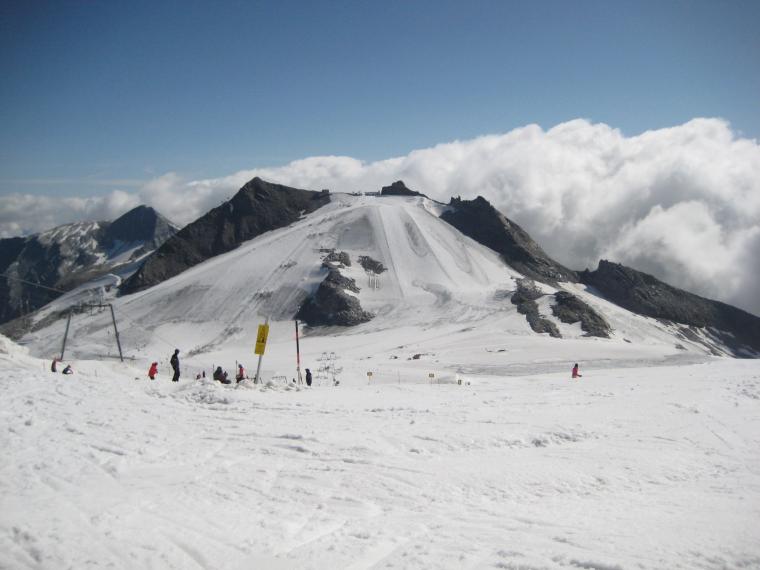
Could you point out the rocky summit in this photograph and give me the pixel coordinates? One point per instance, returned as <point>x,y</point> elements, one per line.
<point>258,207</point>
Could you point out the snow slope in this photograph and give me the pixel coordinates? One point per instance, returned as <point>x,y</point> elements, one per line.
<point>438,282</point>
<point>635,467</point>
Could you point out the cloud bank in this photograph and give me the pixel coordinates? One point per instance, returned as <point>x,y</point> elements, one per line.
<point>682,203</point>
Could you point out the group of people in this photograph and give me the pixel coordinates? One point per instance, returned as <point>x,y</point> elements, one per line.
<point>219,375</point>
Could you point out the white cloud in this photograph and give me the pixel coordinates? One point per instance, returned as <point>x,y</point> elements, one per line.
<point>24,214</point>
<point>682,203</point>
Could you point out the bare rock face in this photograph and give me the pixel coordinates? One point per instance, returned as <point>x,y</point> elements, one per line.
<point>331,305</point>
<point>648,296</point>
<point>258,207</point>
<point>371,265</point>
<point>141,224</point>
<point>338,257</point>
<point>525,299</point>
<point>570,309</point>
<point>479,220</point>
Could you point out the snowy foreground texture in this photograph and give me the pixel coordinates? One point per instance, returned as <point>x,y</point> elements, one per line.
<point>636,466</point>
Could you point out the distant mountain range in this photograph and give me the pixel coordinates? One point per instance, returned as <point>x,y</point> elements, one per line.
<point>286,252</point>
<point>68,256</point>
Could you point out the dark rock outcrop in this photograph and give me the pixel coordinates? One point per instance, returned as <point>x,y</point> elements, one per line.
<point>570,309</point>
<point>524,298</point>
<point>258,207</point>
<point>331,305</point>
<point>10,249</point>
<point>647,295</point>
<point>371,265</point>
<point>479,220</point>
<point>398,188</point>
<point>339,257</point>
<point>40,266</point>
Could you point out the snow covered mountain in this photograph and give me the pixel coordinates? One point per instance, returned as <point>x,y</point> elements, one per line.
<point>68,256</point>
<point>372,264</point>
<point>442,430</point>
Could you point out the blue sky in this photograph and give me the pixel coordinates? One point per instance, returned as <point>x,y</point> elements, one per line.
<point>102,95</point>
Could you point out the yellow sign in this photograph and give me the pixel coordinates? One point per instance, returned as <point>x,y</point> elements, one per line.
<point>261,339</point>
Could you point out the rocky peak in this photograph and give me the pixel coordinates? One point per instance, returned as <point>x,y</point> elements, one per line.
<point>482,222</point>
<point>143,224</point>
<point>258,207</point>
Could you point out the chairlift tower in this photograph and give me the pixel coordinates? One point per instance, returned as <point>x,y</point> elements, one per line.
<point>92,306</point>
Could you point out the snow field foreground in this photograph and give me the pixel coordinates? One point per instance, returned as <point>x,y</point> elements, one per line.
<point>649,467</point>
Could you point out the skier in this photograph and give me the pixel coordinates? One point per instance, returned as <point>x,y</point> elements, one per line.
<point>241,373</point>
<point>576,374</point>
<point>53,367</point>
<point>153,371</point>
<point>68,369</point>
<point>308,377</point>
<point>174,360</point>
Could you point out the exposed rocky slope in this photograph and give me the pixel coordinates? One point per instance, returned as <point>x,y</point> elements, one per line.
<point>331,305</point>
<point>647,295</point>
<point>524,298</point>
<point>482,222</point>
<point>258,207</point>
<point>570,309</point>
<point>69,255</point>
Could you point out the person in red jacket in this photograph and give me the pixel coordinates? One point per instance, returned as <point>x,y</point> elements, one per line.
<point>576,374</point>
<point>153,371</point>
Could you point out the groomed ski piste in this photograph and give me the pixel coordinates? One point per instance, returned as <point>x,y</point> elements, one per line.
<point>498,460</point>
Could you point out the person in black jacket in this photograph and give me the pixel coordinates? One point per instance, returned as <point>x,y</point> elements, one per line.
<point>174,360</point>
<point>308,377</point>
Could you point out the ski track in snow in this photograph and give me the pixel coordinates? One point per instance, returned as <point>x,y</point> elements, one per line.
<point>655,467</point>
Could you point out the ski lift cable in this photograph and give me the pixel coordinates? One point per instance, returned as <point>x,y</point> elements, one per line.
<point>153,333</point>
<point>33,283</point>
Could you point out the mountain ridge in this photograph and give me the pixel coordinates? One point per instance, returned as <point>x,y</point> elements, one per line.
<point>284,252</point>
<point>69,255</point>
<point>223,228</point>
